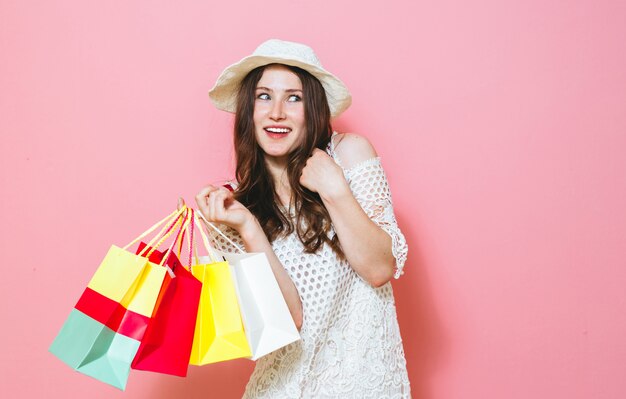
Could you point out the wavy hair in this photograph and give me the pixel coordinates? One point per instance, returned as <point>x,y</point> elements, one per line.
<point>256,188</point>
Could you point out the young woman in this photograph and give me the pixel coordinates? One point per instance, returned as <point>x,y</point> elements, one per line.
<point>317,203</point>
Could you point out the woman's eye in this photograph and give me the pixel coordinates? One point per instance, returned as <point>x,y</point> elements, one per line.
<point>263,96</point>
<point>294,98</point>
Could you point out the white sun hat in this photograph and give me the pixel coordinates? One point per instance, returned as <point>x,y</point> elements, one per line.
<point>224,93</point>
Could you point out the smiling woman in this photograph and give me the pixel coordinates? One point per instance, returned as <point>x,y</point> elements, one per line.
<point>317,203</point>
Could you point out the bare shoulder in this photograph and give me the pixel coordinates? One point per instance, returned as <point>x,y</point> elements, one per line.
<point>352,149</point>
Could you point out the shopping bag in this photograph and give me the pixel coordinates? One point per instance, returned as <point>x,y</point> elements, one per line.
<point>267,321</point>
<point>166,347</point>
<point>219,333</point>
<point>103,332</point>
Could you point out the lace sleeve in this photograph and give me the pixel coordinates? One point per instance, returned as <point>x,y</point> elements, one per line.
<point>369,186</point>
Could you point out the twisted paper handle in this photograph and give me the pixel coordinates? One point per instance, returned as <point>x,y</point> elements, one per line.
<point>219,232</point>
<point>188,218</point>
<point>174,217</point>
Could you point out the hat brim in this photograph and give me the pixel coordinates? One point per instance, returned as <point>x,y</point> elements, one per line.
<point>224,92</point>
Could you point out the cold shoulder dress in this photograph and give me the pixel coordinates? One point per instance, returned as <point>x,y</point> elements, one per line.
<point>351,345</point>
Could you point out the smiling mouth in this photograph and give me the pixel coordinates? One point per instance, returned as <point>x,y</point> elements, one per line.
<point>277,130</point>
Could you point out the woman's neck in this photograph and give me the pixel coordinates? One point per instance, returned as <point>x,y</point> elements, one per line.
<point>278,171</point>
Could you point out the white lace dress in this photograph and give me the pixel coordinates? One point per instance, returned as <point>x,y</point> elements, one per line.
<point>351,345</point>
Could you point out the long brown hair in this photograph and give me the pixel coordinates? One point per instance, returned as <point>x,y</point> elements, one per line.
<point>256,188</point>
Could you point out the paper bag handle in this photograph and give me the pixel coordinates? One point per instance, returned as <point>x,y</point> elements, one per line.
<point>187,219</point>
<point>172,216</point>
<point>188,234</point>
<point>220,233</point>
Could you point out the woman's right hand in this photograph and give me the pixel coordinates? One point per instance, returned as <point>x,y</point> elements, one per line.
<point>218,205</point>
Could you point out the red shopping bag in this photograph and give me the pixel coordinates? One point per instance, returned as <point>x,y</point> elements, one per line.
<point>168,340</point>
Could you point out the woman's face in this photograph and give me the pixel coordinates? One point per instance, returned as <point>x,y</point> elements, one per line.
<point>279,120</point>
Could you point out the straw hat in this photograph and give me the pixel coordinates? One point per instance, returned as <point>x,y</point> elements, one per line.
<point>224,93</point>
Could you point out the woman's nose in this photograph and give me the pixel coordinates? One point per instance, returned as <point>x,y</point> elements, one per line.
<point>277,112</point>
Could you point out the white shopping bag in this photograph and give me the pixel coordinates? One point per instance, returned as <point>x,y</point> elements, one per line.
<point>266,318</point>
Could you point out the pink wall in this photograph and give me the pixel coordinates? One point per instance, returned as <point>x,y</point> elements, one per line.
<point>502,127</point>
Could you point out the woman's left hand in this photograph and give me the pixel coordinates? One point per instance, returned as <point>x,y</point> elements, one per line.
<point>322,175</point>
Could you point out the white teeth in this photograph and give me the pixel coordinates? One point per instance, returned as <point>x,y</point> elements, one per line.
<point>277,130</point>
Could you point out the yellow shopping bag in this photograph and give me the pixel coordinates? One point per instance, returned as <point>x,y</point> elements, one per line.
<point>219,333</point>
<point>131,279</point>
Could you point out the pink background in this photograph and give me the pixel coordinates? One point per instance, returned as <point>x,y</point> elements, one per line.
<point>502,127</point>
